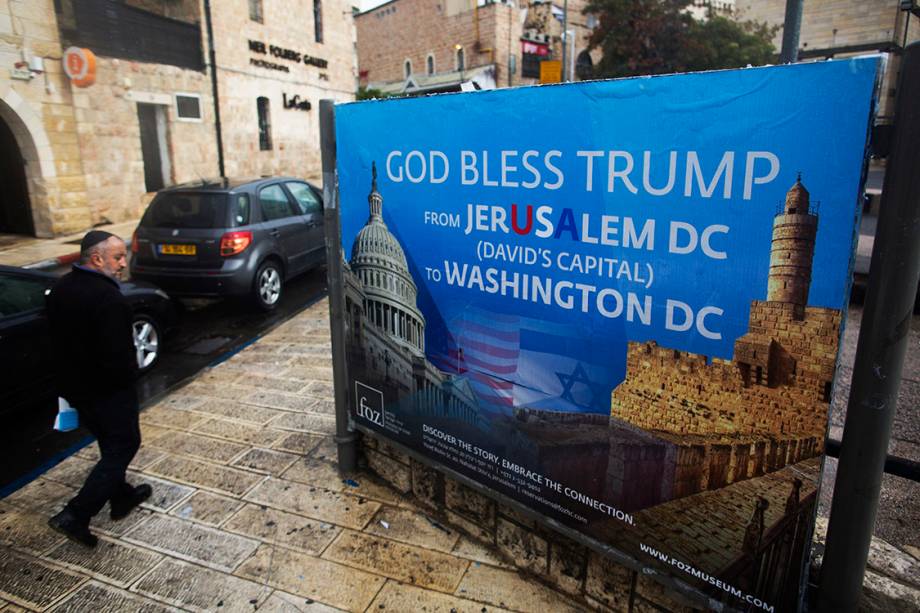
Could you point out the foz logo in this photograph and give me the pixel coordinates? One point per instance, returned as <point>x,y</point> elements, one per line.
<point>369,403</point>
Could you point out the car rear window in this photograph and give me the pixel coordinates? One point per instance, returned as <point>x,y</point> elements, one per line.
<point>187,210</point>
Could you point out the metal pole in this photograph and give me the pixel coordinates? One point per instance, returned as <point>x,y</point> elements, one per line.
<point>212,59</point>
<point>565,35</point>
<point>345,438</point>
<point>792,25</point>
<point>893,278</point>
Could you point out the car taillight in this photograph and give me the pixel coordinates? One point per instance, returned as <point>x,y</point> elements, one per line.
<point>134,246</point>
<point>232,243</point>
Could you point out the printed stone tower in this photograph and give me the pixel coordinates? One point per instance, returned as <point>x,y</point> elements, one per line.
<point>794,232</point>
<point>719,421</point>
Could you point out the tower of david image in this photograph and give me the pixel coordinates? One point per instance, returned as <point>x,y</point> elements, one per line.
<point>723,421</point>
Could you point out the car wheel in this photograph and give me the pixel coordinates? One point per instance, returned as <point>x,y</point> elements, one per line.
<point>267,286</point>
<point>146,342</point>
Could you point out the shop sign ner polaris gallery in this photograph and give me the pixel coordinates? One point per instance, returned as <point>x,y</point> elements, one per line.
<point>617,303</point>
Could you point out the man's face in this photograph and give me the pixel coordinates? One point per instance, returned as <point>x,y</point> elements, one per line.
<point>111,259</point>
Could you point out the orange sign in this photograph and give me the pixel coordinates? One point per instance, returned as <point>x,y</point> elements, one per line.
<point>80,66</point>
<point>550,71</point>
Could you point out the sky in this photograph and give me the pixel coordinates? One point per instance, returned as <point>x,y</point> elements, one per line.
<point>366,5</point>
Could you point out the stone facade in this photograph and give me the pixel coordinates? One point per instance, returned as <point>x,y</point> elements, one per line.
<point>831,25</point>
<point>288,25</point>
<point>82,147</point>
<point>39,112</point>
<point>489,35</point>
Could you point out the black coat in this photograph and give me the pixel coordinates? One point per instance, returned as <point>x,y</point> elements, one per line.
<point>91,332</point>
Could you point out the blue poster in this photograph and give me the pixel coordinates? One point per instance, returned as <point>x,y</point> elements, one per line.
<point>617,302</point>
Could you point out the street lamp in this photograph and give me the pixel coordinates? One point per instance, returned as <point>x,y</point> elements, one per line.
<point>458,53</point>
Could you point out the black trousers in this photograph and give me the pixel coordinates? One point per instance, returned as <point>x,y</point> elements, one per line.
<point>113,420</point>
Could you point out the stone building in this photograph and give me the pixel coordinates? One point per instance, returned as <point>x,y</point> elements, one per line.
<point>845,28</point>
<point>73,157</point>
<point>385,330</point>
<point>418,46</point>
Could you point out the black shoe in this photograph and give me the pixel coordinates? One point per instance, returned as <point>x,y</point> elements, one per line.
<point>67,524</point>
<point>120,509</point>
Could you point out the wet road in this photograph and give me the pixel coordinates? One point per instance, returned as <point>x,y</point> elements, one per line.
<point>207,332</point>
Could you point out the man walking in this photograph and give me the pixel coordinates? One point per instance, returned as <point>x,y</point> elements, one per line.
<point>95,366</point>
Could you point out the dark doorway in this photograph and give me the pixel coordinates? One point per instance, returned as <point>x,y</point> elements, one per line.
<point>152,121</point>
<point>15,208</point>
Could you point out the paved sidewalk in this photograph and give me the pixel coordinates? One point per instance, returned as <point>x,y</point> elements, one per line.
<point>250,513</point>
<point>18,250</point>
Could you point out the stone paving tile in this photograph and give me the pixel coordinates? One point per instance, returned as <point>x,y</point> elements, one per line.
<point>265,461</point>
<point>46,497</point>
<point>300,443</point>
<point>471,550</point>
<point>315,472</point>
<point>27,530</point>
<point>314,578</point>
<point>406,563</point>
<point>201,589</point>
<point>332,507</point>
<point>412,528</point>
<point>506,588</point>
<point>101,598</point>
<point>182,402</point>
<point>72,471</point>
<point>165,493</point>
<point>369,488</point>
<point>286,529</point>
<point>194,542</point>
<point>307,364</point>
<point>224,392</point>
<point>166,417</point>
<point>239,411</point>
<point>103,523</point>
<point>321,389</point>
<point>109,560</point>
<point>150,432</point>
<point>324,407</point>
<point>281,384</point>
<point>400,597</point>
<point>205,475</point>
<point>298,369</point>
<point>279,400</point>
<point>207,508</point>
<point>327,449</point>
<point>144,457</point>
<point>243,433</point>
<point>29,583</point>
<point>185,443</point>
<point>281,602</point>
<point>305,422</point>
<point>12,608</point>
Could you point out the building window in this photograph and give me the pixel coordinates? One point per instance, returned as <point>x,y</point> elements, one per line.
<point>265,124</point>
<point>188,107</point>
<point>429,64</point>
<point>408,67</point>
<point>255,10</point>
<point>318,20</point>
<point>460,58</point>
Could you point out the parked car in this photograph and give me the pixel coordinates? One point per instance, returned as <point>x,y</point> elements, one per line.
<point>230,238</point>
<point>25,341</point>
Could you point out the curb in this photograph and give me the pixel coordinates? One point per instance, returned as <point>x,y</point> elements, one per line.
<point>61,260</point>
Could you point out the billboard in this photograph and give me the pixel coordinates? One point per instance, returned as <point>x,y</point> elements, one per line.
<point>618,303</point>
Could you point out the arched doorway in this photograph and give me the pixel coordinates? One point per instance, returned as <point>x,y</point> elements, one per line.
<point>15,208</point>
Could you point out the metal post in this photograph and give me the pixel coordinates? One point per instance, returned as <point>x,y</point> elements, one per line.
<point>893,278</point>
<point>345,439</point>
<point>792,25</point>
<point>212,59</point>
<point>565,34</point>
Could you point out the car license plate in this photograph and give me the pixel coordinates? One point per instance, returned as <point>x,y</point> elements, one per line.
<point>178,249</point>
